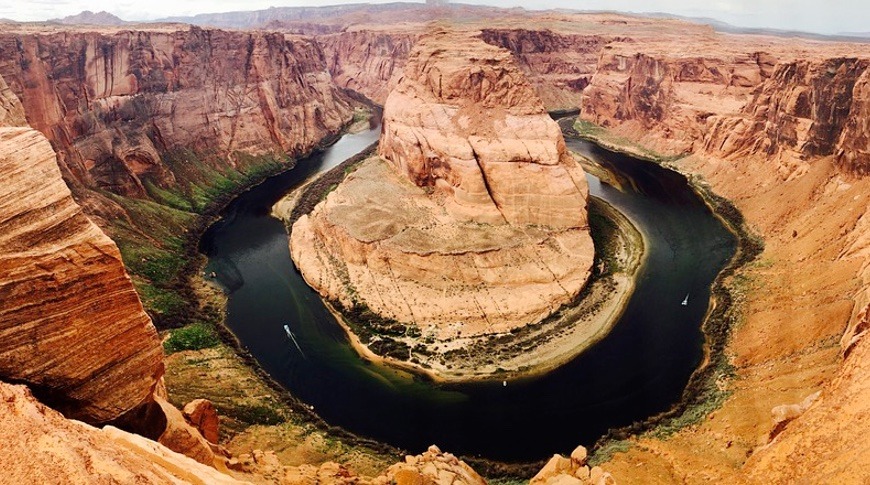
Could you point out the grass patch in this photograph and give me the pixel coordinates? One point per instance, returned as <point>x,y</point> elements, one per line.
<point>606,452</point>
<point>196,336</point>
<point>254,414</point>
<point>607,139</point>
<point>158,238</point>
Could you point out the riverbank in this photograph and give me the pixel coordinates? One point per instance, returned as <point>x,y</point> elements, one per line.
<point>256,411</point>
<point>525,352</point>
<point>706,390</point>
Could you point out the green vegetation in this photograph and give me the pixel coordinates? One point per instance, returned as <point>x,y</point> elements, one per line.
<point>158,238</point>
<point>606,452</point>
<point>263,414</point>
<point>607,139</point>
<point>605,236</point>
<point>196,336</point>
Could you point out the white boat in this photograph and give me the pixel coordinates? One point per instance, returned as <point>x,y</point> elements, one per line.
<point>293,338</point>
<point>686,300</point>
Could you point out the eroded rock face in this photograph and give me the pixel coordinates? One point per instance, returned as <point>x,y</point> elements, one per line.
<point>431,467</point>
<point>71,324</point>
<point>806,109</point>
<point>201,414</point>
<point>559,66</point>
<point>664,100</point>
<point>464,119</point>
<point>571,471</point>
<point>127,109</point>
<point>472,221</point>
<point>365,61</point>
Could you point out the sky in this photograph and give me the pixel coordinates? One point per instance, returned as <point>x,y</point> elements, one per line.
<point>825,17</point>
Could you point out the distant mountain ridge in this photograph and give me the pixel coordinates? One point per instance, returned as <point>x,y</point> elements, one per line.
<point>90,18</point>
<point>284,17</point>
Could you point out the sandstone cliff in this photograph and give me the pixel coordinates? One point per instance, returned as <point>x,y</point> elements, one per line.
<point>558,65</point>
<point>783,139</point>
<point>120,107</point>
<point>464,119</point>
<point>72,325</point>
<point>806,109</point>
<point>663,100</point>
<point>473,222</point>
<point>367,61</point>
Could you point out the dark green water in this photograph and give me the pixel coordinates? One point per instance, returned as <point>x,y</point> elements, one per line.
<point>638,370</point>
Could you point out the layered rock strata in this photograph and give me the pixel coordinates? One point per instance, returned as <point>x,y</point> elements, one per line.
<point>789,149</point>
<point>473,219</point>
<point>71,324</point>
<point>128,111</point>
<point>368,62</point>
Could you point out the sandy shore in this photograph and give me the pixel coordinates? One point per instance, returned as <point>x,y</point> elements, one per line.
<point>535,349</point>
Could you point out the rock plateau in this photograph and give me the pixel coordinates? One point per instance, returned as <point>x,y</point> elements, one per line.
<point>472,220</point>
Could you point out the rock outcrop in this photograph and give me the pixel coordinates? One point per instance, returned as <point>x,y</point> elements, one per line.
<point>202,415</point>
<point>571,471</point>
<point>433,466</point>
<point>474,207</point>
<point>558,65</point>
<point>805,109</point>
<point>368,62</point>
<point>464,119</point>
<point>664,100</point>
<point>71,324</point>
<point>44,447</point>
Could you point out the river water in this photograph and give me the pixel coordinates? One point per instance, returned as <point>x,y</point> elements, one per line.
<point>638,370</point>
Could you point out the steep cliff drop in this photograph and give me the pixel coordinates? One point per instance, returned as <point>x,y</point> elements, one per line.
<point>72,327</point>
<point>471,222</point>
<point>137,113</point>
<point>786,140</point>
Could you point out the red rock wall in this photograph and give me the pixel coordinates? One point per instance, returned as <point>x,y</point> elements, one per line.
<point>559,66</point>
<point>367,61</point>
<point>806,109</point>
<point>113,104</point>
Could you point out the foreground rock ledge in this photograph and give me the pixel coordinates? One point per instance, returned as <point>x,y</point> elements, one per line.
<point>472,221</point>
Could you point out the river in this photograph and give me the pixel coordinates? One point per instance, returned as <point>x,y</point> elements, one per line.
<point>638,370</point>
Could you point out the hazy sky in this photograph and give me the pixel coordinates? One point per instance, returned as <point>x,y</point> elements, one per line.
<point>827,17</point>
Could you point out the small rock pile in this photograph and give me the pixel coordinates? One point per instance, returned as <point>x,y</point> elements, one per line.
<point>571,471</point>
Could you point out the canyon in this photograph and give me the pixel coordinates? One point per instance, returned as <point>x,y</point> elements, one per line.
<point>151,117</point>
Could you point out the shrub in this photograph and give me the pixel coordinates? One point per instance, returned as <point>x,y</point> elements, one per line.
<point>192,337</point>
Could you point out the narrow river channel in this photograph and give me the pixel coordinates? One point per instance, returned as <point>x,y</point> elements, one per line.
<point>638,370</point>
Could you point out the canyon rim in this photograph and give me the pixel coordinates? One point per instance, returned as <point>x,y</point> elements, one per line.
<point>120,143</point>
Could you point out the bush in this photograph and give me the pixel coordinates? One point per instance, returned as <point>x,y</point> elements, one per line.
<point>193,337</point>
